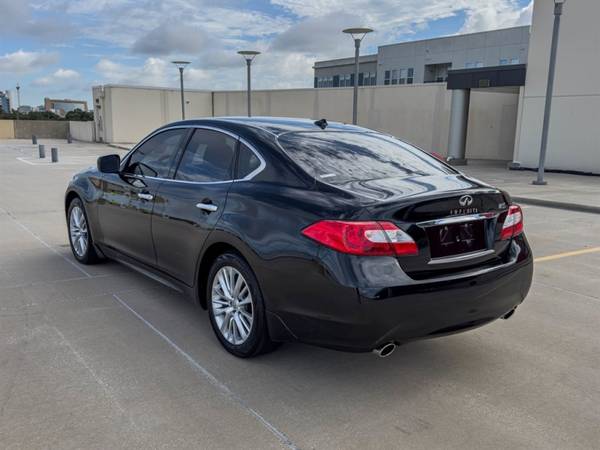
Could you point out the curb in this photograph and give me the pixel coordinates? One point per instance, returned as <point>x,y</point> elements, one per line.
<point>558,205</point>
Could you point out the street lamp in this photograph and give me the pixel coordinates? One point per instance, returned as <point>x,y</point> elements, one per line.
<point>558,6</point>
<point>249,56</point>
<point>181,65</point>
<point>357,34</point>
<point>18,99</point>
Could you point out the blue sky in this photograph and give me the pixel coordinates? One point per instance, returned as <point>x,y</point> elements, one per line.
<point>61,48</point>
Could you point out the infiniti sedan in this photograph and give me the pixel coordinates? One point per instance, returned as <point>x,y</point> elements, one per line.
<point>306,231</point>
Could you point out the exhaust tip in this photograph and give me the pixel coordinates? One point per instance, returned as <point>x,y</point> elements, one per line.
<point>385,350</point>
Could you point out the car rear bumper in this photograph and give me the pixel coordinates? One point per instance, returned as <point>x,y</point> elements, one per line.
<point>372,317</point>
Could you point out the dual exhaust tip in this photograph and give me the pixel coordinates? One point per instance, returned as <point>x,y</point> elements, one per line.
<point>385,350</point>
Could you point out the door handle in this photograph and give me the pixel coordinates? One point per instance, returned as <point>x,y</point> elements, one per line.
<point>208,207</point>
<point>145,196</point>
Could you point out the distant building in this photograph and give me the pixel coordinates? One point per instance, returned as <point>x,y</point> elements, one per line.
<point>5,102</point>
<point>427,61</point>
<point>24,109</point>
<point>61,107</point>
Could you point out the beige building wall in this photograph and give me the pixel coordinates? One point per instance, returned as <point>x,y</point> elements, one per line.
<point>418,113</point>
<point>7,129</point>
<point>574,133</point>
<point>128,113</point>
<point>492,123</point>
<point>82,131</point>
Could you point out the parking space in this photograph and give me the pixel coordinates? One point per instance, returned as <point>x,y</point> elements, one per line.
<point>102,357</point>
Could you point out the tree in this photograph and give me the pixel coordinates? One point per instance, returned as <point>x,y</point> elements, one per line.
<point>79,115</point>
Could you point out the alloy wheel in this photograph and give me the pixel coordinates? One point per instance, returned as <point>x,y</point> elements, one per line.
<point>79,231</point>
<point>232,306</point>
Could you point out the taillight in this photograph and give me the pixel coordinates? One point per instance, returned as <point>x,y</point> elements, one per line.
<point>362,238</point>
<point>513,224</point>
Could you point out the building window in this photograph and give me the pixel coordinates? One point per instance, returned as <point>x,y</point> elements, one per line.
<point>373,78</point>
<point>503,61</point>
<point>473,64</point>
<point>361,79</point>
<point>515,61</point>
<point>387,77</point>
<point>394,76</point>
<point>410,75</point>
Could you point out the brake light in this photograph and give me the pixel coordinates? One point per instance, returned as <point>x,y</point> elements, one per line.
<point>362,238</point>
<point>513,224</point>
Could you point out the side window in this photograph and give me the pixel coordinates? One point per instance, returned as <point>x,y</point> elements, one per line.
<point>154,157</point>
<point>207,157</point>
<point>248,162</point>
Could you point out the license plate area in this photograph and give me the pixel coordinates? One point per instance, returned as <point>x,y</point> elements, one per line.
<point>456,238</point>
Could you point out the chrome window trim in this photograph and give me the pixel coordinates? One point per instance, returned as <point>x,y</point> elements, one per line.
<point>248,177</point>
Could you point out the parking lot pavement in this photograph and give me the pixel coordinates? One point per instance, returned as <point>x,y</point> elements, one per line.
<point>101,357</point>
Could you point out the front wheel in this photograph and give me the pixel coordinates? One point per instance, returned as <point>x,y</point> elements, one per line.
<point>236,307</point>
<point>80,238</point>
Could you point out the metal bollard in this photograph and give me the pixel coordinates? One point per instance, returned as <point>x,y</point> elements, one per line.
<point>54,152</point>
<point>42,150</point>
<point>34,139</point>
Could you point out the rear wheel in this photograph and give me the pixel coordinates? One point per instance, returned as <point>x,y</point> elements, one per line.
<point>80,238</point>
<point>236,307</point>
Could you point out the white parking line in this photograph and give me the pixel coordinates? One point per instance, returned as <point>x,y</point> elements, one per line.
<point>212,379</point>
<point>45,244</point>
<point>68,161</point>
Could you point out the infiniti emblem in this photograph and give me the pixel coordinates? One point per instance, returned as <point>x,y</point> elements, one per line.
<point>465,200</point>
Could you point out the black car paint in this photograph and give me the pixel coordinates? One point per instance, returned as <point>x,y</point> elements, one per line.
<point>312,294</point>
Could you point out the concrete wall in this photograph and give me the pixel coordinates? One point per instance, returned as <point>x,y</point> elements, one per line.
<point>82,131</point>
<point>7,129</point>
<point>492,123</point>
<point>418,113</point>
<point>49,129</point>
<point>574,133</point>
<point>128,113</point>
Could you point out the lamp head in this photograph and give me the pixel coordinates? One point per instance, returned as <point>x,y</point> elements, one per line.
<point>248,55</point>
<point>357,33</point>
<point>180,64</point>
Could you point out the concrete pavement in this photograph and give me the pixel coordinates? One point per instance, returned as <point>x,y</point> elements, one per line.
<point>101,357</point>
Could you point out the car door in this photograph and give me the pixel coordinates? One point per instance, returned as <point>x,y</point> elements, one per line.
<point>189,205</point>
<point>125,208</point>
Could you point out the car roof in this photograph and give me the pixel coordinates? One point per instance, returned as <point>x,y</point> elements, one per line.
<point>277,125</point>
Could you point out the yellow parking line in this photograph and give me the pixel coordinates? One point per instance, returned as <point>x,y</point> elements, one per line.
<point>566,254</point>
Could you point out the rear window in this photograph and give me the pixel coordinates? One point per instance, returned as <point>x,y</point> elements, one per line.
<point>342,157</point>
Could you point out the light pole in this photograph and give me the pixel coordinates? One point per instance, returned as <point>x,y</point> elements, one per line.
<point>181,65</point>
<point>558,6</point>
<point>18,99</point>
<point>357,34</point>
<point>249,56</point>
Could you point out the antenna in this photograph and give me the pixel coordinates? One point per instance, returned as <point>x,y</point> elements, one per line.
<point>321,123</point>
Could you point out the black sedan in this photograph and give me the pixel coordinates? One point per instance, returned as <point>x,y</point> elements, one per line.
<point>301,230</point>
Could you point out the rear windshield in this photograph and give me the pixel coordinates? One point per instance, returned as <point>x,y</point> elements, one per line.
<point>342,157</point>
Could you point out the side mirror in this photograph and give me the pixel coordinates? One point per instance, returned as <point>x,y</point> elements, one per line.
<point>109,163</point>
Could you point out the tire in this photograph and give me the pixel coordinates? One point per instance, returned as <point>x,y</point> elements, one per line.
<point>229,309</point>
<point>80,238</point>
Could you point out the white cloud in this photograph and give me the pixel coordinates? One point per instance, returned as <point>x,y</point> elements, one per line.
<point>493,14</point>
<point>61,76</point>
<point>152,73</point>
<point>21,62</point>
